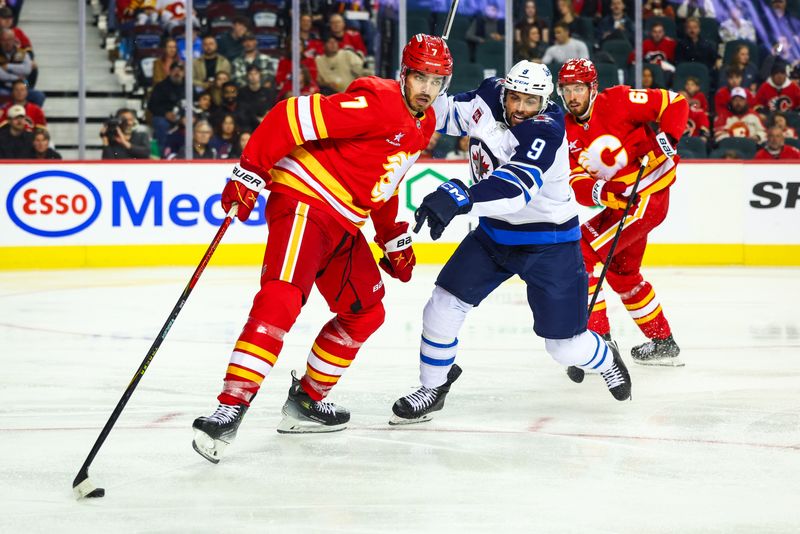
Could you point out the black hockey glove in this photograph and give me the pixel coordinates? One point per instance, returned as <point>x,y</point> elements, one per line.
<point>448,200</point>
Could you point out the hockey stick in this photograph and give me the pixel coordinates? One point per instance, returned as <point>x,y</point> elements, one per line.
<point>82,486</point>
<point>645,161</point>
<point>448,22</point>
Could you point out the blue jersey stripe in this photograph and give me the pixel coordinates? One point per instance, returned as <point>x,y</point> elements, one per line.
<point>522,236</point>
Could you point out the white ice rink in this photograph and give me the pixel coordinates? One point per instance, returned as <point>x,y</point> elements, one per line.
<point>712,447</point>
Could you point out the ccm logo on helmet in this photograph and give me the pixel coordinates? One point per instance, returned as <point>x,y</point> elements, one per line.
<point>53,203</point>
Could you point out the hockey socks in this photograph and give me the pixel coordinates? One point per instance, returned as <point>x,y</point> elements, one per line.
<point>645,309</point>
<point>330,356</point>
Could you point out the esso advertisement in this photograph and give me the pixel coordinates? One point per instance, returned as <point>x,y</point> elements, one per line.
<point>112,204</point>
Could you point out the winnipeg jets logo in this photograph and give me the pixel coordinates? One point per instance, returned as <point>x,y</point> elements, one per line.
<point>396,166</point>
<point>480,168</point>
<point>396,140</point>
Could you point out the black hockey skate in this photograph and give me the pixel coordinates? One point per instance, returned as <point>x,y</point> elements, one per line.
<point>302,414</point>
<point>617,377</point>
<point>215,432</point>
<point>662,352</point>
<point>418,407</point>
<point>576,374</point>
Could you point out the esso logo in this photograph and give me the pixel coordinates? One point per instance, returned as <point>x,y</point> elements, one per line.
<point>53,203</point>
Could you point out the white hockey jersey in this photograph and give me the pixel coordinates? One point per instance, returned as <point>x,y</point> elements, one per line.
<point>520,175</point>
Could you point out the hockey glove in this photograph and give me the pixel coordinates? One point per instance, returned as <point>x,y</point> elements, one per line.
<point>667,144</point>
<point>398,256</point>
<point>611,194</point>
<point>243,188</point>
<point>448,200</point>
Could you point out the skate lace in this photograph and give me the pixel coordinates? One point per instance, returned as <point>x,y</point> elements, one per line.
<point>422,398</point>
<point>613,377</point>
<point>325,407</point>
<point>225,413</point>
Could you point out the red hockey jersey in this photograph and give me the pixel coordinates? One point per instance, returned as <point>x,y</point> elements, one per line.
<point>609,145</point>
<point>346,153</point>
<point>772,98</point>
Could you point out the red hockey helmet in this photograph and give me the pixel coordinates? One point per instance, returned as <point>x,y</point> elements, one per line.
<point>428,54</point>
<point>578,71</point>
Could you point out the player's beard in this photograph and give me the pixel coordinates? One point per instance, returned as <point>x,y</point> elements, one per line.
<point>579,110</point>
<point>418,102</point>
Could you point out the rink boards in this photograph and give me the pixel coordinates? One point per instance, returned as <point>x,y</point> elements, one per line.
<point>100,214</point>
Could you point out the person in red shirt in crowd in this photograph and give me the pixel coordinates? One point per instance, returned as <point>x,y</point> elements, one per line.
<point>734,77</point>
<point>7,23</point>
<point>777,93</point>
<point>309,39</point>
<point>776,147</point>
<point>347,38</point>
<point>698,124</point>
<point>19,97</point>
<point>696,97</point>
<point>330,163</point>
<point>738,120</point>
<point>779,119</point>
<point>658,49</point>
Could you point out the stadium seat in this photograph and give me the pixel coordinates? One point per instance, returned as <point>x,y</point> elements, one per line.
<point>268,38</point>
<point>544,9</point>
<point>669,26</point>
<point>607,75</point>
<point>693,147</point>
<point>659,78</point>
<point>719,153</point>
<point>618,49</point>
<point>585,31</point>
<point>218,10</point>
<point>267,17</point>
<point>709,29</point>
<point>491,54</point>
<point>466,77</point>
<point>747,147</point>
<point>793,141</point>
<point>418,21</point>
<point>146,36</point>
<point>731,46</point>
<point>698,70</point>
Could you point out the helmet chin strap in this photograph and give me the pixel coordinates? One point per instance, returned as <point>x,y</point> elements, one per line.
<point>592,95</point>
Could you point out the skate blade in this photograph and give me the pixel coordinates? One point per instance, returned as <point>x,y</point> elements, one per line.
<point>661,362</point>
<point>209,448</point>
<point>290,425</point>
<point>396,420</point>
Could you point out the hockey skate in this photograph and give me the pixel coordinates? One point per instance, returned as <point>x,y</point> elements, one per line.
<point>617,377</point>
<point>662,352</point>
<point>576,374</point>
<point>418,407</point>
<point>303,415</point>
<point>215,432</point>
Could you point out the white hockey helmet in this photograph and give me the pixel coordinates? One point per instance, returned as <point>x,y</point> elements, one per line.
<point>530,78</point>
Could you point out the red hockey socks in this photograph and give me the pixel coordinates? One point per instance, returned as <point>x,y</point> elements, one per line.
<point>645,309</point>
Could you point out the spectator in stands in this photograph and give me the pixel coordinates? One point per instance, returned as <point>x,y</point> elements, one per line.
<point>255,98</point>
<point>347,38</point>
<point>7,23</point>
<point>698,124</point>
<point>230,44</point>
<point>740,59</point>
<point>15,6</point>
<point>779,119</point>
<point>657,8</point>
<point>163,64</point>
<point>648,78</point>
<point>307,85</point>
<point>694,48</point>
<point>567,15</point>
<point>15,64</point>
<point>776,147</point>
<point>15,141</point>
<point>220,80</point>
<point>461,150</point>
<point>565,46</point>
<point>735,27</point>
<point>165,101</point>
<point>41,146</point>
<point>200,143</point>
<point>337,68</point>
<point>173,14</point>
<point>230,105</point>
<point>737,120</point>
<point>784,29</point>
<point>236,153</point>
<point>616,25</point>
<point>696,8</point>
<point>530,19</point>
<point>207,66</point>
<point>658,49</point>
<point>19,97</point>
<point>723,94</point>
<point>777,93</point>
<point>694,95</point>
<point>118,138</point>
<point>532,47</point>
<point>142,12</point>
<point>226,136</point>
<point>204,106</point>
<point>251,56</point>
<point>309,38</point>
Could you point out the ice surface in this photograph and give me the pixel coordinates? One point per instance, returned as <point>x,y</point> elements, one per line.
<point>712,447</point>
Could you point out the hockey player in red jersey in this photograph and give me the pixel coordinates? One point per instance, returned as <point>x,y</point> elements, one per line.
<point>608,135</point>
<point>330,163</point>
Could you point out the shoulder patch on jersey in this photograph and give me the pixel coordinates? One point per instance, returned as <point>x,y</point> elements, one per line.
<point>477,115</point>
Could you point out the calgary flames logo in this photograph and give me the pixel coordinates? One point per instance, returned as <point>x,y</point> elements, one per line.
<point>604,157</point>
<point>396,167</point>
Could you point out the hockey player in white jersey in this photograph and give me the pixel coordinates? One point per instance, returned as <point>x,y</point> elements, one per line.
<point>528,226</point>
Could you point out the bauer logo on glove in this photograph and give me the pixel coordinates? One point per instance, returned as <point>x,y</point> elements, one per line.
<point>243,189</point>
